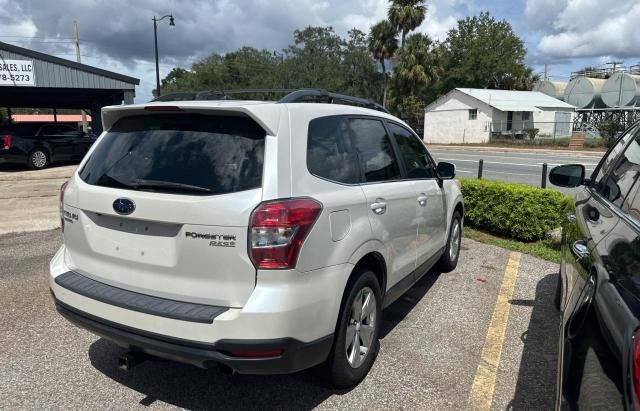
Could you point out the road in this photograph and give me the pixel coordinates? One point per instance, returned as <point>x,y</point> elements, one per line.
<point>512,166</point>
<point>481,337</point>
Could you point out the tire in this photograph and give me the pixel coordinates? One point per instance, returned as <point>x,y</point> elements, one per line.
<point>38,159</point>
<point>344,367</point>
<point>449,260</point>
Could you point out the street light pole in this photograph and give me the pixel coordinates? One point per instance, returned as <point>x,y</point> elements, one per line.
<point>155,42</point>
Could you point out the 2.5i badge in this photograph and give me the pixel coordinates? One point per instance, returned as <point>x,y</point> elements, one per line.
<point>217,240</point>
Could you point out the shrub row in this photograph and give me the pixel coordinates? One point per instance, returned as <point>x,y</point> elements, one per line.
<point>518,211</point>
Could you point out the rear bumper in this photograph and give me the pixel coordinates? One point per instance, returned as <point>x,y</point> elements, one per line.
<point>12,158</point>
<point>296,355</point>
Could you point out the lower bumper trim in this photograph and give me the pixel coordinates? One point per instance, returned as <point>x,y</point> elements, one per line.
<point>296,355</point>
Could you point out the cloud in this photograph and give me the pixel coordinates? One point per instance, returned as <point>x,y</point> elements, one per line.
<point>118,34</point>
<point>586,28</point>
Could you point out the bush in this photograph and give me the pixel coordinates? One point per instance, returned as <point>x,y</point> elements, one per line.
<point>531,132</point>
<point>595,143</point>
<point>609,132</point>
<point>517,211</point>
<point>540,141</point>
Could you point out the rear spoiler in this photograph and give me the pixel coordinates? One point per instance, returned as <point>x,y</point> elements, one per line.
<point>266,115</point>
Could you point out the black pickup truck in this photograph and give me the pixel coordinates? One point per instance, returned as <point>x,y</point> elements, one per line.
<point>38,145</point>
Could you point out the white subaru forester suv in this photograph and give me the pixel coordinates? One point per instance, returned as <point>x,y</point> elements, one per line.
<point>265,237</point>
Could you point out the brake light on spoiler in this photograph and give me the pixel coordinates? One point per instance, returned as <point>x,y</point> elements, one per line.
<point>162,108</point>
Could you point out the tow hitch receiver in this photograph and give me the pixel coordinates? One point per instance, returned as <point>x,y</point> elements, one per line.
<point>129,360</point>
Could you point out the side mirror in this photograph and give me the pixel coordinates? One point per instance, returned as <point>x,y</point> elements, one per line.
<point>446,171</point>
<point>570,175</point>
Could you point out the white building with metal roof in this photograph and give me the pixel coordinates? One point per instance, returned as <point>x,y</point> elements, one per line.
<point>468,115</point>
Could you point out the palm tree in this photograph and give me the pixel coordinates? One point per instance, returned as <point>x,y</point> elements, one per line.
<point>382,43</point>
<point>406,15</point>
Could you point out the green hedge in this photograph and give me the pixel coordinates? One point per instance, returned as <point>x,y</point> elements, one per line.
<point>517,211</point>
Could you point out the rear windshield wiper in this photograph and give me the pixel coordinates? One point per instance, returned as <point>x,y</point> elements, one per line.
<point>143,183</point>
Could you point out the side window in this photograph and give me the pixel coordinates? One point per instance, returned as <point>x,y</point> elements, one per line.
<point>631,204</point>
<point>615,185</point>
<point>330,153</point>
<point>377,159</point>
<point>67,130</point>
<point>413,153</point>
<point>605,166</point>
<point>473,114</point>
<point>48,130</point>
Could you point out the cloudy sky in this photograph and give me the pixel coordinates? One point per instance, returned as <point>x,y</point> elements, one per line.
<point>117,34</point>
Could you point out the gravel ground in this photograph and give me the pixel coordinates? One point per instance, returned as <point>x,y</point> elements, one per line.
<point>30,198</point>
<point>431,343</point>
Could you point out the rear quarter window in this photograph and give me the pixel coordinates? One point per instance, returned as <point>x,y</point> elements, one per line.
<point>330,153</point>
<point>160,152</point>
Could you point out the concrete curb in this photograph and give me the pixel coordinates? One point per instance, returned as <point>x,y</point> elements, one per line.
<point>597,154</point>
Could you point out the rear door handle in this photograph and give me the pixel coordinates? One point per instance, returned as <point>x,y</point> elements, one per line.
<point>379,207</point>
<point>422,200</point>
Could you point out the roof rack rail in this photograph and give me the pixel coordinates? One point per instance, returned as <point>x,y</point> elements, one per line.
<point>320,95</point>
<point>314,95</point>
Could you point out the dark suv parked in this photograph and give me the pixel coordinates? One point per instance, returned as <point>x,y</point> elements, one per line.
<point>38,145</point>
<point>599,284</point>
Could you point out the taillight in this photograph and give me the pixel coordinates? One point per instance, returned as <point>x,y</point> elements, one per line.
<point>635,369</point>
<point>61,204</point>
<point>6,141</point>
<point>277,230</point>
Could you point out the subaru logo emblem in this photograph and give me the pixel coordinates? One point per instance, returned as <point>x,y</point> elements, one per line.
<point>124,206</point>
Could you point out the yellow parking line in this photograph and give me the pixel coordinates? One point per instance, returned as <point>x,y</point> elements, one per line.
<point>484,383</point>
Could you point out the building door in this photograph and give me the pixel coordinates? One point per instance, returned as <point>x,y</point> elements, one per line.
<point>509,120</point>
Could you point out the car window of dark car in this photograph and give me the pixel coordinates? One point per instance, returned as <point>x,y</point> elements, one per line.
<point>616,184</point>
<point>413,153</point>
<point>377,159</point>
<point>330,153</point>
<point>67,130</point>
<point>48,130</point>
<point>22,130</point>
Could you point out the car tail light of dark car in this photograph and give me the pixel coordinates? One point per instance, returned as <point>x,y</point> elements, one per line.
<point>6,141</point>
<point>278,229</point>
<point>635,370</point>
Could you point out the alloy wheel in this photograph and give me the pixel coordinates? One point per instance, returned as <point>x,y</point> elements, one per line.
<point>454,246</point>
<point>39,159</point>
<point>361,327</point>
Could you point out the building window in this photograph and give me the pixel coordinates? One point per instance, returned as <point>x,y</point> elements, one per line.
<point>473,114</point>
<point>526,115</point>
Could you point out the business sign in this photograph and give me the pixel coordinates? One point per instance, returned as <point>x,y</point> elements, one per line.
<point>16,73</point>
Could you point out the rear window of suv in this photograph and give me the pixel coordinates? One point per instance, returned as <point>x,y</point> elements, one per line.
<point>179,154</point>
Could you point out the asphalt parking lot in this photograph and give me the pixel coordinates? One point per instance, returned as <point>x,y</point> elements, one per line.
<point>481,337</point>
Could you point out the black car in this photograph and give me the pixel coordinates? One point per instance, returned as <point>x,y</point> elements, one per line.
<point>599,283</point>
<point>38,145</point>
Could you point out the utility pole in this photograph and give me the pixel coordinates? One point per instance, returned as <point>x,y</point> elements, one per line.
<point>614,64</point>
<point>546,72</point>
<point>79,60</point>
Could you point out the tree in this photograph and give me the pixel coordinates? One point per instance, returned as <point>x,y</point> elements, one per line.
<point>406,16</point>
<point>484,53</point>
<point>318,58</point>
<point>360,76</point>
<point>417,70</point>
<point>382,44</point>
